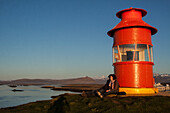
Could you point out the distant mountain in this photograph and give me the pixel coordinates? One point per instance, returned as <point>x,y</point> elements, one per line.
<point>82,80</point>
<point>4,82</point>
<point>33,82</point>
<point>163,79</point>
<point>100,79</point>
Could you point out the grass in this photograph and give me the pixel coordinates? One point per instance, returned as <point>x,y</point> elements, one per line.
<point>78,104</point>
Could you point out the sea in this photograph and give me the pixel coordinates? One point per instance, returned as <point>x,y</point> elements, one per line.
<point>8,98</point>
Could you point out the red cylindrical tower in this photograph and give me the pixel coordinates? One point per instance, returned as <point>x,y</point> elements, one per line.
<point>132,52</point>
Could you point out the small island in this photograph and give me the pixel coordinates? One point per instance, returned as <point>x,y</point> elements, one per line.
<point>13,86</point>
<point>17,90</point>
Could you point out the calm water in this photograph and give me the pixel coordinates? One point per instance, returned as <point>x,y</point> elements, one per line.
<point>9,98</point>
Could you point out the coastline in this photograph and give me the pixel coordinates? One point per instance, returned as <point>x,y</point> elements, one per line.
<point>75,103</point>
<point>78,88</point>
<point>9,98</point>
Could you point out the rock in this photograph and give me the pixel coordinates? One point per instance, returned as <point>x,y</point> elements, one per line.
<point>19,90</point>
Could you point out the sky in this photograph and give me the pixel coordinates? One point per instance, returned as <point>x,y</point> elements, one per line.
<point>58,39</point>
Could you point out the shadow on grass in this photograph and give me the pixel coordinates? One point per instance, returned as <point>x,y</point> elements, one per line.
<point>59,106</point>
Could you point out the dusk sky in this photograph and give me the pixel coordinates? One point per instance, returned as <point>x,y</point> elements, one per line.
<point>58,39</point>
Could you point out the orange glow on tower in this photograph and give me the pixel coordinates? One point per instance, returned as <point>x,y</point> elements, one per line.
<point>132,52</point>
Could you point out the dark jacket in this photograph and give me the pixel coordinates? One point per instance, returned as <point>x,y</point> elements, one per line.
<point>116,86</point>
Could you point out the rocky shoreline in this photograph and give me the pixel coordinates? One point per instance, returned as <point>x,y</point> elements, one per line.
<point>78,87</point>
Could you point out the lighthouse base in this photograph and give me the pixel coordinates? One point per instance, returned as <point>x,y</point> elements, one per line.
<point>139,91</point>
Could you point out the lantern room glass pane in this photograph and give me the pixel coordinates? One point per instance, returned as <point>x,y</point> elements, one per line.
<point>133,52</point>
<point>151,52</point>
<point>127,52</point>
<point>116,55</point>
<point>143,52</point>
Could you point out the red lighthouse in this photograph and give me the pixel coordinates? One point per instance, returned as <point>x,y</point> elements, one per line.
<point>133,53</point>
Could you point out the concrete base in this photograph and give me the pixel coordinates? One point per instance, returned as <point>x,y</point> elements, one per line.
<point>140,91</point>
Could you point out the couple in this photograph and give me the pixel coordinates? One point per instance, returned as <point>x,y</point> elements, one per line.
<point>111,87</point>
